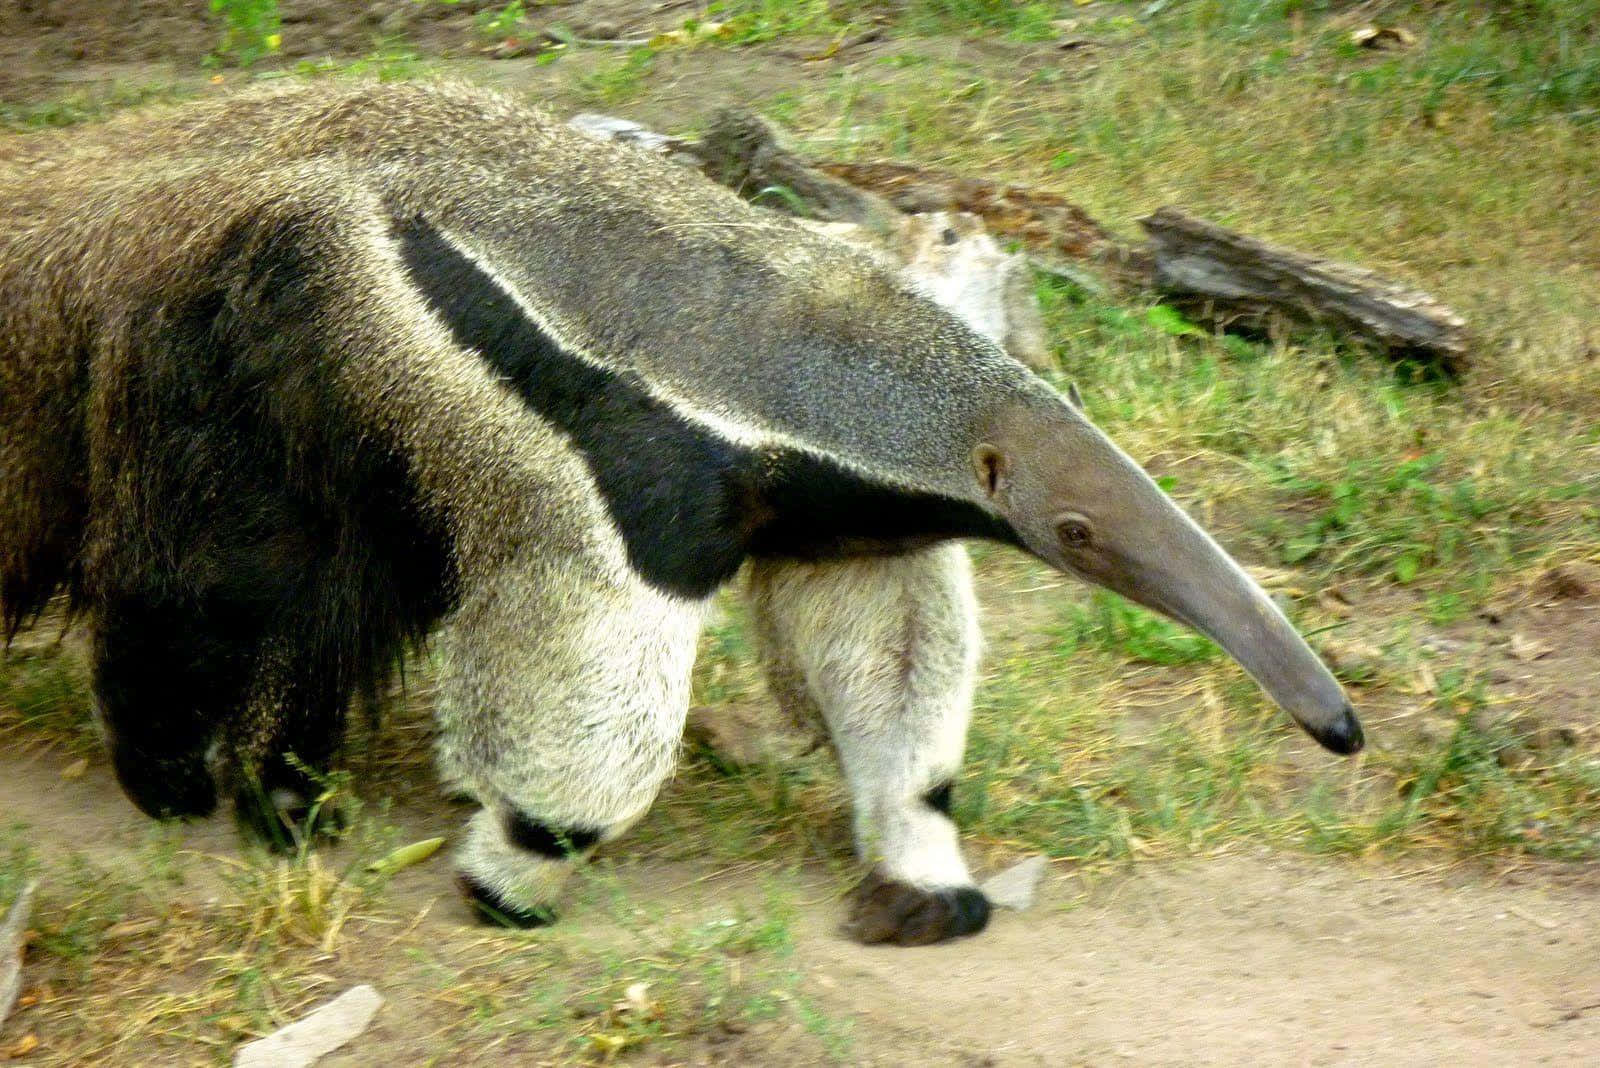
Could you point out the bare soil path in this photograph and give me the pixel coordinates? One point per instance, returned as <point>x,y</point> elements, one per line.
<point>1243,958</point>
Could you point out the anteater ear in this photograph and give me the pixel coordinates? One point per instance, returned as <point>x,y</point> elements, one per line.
<point>989,464</point>
<point>1074,396</point>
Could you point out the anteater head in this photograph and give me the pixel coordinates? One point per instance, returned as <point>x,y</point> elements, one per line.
<point>1081,504</point>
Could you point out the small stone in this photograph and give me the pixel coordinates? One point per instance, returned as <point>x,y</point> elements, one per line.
<point>396,23</point>
<point>1436,730</point>
<point>1525,648</point>
<point>314,1036</point>
<point>1438,643</point>
<point>599,30</point>
<point>1356,662</point>
<point>1017,886</point>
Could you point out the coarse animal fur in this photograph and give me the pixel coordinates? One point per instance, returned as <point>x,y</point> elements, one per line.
<point>290,380</point>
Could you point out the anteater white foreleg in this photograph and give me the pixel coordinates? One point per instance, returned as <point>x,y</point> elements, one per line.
<point>561,715</point>
<point>885,649</point>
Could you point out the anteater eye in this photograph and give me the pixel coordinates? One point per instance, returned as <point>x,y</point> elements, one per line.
<point>1074,533</point>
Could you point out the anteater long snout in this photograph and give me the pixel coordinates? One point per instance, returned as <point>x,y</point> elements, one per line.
<point>1211,593</point>
<point>1081,503</point>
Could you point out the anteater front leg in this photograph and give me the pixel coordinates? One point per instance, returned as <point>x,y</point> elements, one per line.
<point>884,651</point>
<point>564,689</point>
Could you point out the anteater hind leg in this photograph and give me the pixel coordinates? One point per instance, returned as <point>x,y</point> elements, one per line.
<point>884,650</point>
<point>166,681</point>
<point>184,690</point>
<point>284,742</point>
<point>561,706</point>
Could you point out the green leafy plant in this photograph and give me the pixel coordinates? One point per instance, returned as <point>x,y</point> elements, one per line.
<point>504,23</point>
<point>251,29</point>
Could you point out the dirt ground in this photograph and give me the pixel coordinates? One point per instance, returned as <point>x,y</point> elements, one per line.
<point>1245,956</point>
<point>1249,957</point>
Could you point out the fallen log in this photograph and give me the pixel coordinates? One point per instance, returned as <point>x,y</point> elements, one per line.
<point>1232,280</point>
<point>1217,276</point>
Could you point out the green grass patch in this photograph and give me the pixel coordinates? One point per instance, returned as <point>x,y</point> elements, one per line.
<point>85,106</point>
<point>619,80</point>
<point>44,693</point>
<point>1114,625</point>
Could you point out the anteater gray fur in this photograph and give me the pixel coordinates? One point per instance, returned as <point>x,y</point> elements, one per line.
<point>291,380</point>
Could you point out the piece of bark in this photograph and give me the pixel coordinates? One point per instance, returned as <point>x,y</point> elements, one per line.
<point>630,133</point>
<point>745,152</point>
<point>12,933</point>
<point>1231,279</point>
<point>315,1035</point>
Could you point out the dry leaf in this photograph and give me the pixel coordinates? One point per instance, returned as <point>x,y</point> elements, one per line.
<point>688,35</point>
<point>1273,578</point>
<point>636,999</point>
<point>1356,660</point>
<point>1334,602</point>
<point>609,1044</point>
<point>130,928</point>
<point>24,1046</point>
<point>1017,886</point>
<point>1426,680</point>
<point>406,856</point>
<point>1525,648</point>
<point>827,53</point>
<point>75,769</point>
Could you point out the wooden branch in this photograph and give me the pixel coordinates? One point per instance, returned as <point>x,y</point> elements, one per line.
<point>1232,279</point>
<point>745,152</point>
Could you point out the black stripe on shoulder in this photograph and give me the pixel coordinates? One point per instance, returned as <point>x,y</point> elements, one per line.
<point>822,509</point>
<point>689,504</point>
<point>678,494</point>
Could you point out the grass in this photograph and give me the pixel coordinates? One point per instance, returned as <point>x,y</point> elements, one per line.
<point>656,982</point>
<point>618,80</point>
<point>84,106</point>
<point>187,952</point>
<point>1102,734</point>
<point>44,698</point>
